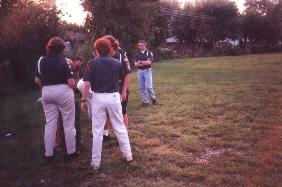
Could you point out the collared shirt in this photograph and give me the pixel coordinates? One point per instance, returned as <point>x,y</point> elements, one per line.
<point>144,56</point>
<point>103,73</point>
<point>53,70</point>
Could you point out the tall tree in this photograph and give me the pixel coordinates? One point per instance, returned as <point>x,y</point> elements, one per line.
<point>128,20</point>
<point>220,21</point>
<point>24,33</point>
<point>262,21</point>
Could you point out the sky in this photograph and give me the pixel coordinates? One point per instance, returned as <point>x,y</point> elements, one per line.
<point>73,11</point>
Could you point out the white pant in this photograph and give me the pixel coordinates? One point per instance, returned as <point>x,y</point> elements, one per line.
<point>55,99</point>
<point>101,104</point>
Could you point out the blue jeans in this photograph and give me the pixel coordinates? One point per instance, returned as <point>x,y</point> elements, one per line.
<point>146,84</point>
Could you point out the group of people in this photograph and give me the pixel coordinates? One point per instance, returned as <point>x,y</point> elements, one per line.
<point>103,90</point>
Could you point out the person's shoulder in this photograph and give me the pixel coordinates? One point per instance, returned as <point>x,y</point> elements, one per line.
<point>114,60</point>
<point>122,51</point>
<point>149,51</point>
<point>61,60</point>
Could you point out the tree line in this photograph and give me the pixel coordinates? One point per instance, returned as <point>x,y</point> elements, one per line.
<point>27,25</point>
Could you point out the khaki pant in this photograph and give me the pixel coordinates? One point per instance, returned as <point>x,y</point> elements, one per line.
<point>58,99</point>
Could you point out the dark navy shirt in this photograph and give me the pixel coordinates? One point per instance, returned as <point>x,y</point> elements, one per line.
<point>125,69</point>
<point>104,73</point>
<point>53,70</point>
<point>144,57</point>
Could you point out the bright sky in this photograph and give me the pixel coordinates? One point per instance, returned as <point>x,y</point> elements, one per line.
<point>240,3</point>
<point>73,11</point>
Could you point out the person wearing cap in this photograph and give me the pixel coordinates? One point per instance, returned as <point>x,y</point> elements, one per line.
<point>142,61</point>
<point>55,78</point>
<point>103,74</point>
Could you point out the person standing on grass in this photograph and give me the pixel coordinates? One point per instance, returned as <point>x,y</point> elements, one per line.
<point>75,67</point>
<point>55,78</point>
<point>143,60</point>
<point>102,74</point>
<point>124,81</point>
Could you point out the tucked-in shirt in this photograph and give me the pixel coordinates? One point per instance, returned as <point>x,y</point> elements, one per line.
<point>125,69</point>
<point>104,73</point>
<point>53,70</point>
<point>144,56</point>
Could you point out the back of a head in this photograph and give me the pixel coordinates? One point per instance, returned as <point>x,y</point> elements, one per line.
<point>55,45</point>
<point>113,40</point>
<point>102,46</point>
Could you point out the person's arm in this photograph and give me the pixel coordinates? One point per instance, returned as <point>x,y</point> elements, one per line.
<point>85,93</point>
<point>38,81</point>
<point>136,61</point>
<point>145,63</point>
<point>148,61</point>
<point>71,83</point>
<point>126,82</point>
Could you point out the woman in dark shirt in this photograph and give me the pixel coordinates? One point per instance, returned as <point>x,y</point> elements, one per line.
<point>55,78</point>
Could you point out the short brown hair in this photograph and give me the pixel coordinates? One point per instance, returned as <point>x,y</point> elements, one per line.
<point>143,42</point>
<point>103,46</point>
<point>55,45</point>
<point>113,40</point>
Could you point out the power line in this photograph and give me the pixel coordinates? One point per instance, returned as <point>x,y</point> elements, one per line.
<point>188,15</point>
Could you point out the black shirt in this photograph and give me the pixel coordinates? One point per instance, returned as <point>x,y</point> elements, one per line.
<point>104,73</point>
<point>53,70</point>
<point>125,69</point>
<point>146,55</point>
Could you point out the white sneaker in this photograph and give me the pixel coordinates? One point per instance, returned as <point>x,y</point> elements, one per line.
<point>95,167</point>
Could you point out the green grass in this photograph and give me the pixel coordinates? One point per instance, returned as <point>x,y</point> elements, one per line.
<point>218,124</point>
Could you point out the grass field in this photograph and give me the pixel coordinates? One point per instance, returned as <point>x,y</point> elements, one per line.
<point>218,124</point>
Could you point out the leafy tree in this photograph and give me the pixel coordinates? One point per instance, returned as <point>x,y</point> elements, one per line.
<point>23,36</point>
<point>6,6</point>
<point>262,22</point>
<point>252,26</point>
<point>185,28</point>
<point>128,20</point>
<point>220,20</point>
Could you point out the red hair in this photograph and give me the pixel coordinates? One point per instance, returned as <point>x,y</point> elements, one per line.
<point>103,46</point>
<point>113,40</point>
<point>55,45</point>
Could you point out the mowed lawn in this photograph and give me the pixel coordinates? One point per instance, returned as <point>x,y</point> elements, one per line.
<point>218,124</point>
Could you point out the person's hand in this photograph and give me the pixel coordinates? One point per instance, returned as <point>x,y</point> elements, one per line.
<point>123,96</point>
<point>84,107</point>
<point>136,64</point>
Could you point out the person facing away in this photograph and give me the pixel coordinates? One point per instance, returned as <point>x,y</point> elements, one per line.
<point>55,78</point>
<point>142,61</point>
<point>102,74</point>
<point>124,81</point>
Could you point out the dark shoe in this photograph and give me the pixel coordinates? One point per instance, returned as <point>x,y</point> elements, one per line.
<point>127,160</point>
<point>72,155</point>
<point>154,102</point>
<point>145,105</point>
<point>49,159</point>
<point>106,138</point>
